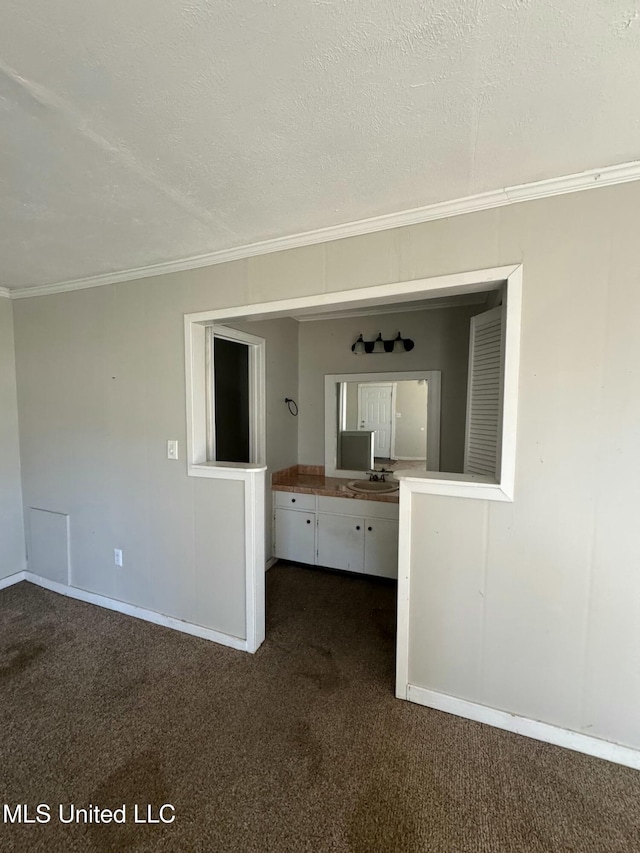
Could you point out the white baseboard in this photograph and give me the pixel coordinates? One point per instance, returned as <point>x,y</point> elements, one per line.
<point>15,578</point>
<point>270,562</point>
<point>614,752</point>
<point>137,612</point>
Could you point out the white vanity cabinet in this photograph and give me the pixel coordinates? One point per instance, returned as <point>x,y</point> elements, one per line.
<point>295,535</point>
<point>381,547</point>
<point>340,542</point>
<point>338,533</point>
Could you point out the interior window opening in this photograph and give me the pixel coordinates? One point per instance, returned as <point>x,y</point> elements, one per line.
<point>232,405</point>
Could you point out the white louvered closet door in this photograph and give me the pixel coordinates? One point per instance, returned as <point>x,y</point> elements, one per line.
<point>484,394</point>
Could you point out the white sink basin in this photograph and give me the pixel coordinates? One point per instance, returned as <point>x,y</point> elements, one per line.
<point>372,486</point>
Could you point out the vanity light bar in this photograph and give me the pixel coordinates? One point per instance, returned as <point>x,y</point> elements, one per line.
<point>397,344</point>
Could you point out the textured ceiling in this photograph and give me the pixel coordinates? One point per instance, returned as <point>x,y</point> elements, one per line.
<point>139,131</point>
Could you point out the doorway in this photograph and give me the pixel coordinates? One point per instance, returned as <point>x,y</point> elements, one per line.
<point>231,401</point>
<point>425,482</point>
<point>376,412</point>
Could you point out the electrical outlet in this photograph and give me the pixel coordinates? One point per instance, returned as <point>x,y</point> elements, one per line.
<point>172,449</point>
<point>117,556</point>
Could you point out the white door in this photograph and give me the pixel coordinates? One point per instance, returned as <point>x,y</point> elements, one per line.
<point>375,413</point>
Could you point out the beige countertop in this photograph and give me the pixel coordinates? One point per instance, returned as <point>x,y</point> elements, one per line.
<point>317,484</point>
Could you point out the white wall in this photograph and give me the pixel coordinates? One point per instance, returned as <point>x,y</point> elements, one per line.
<point>534,607</point>
<point>441,339</point>
<point>12,545</point>
<point>351,404</point>
<point>411,425</point>
<point>538,601</point>
<point>101,389</point>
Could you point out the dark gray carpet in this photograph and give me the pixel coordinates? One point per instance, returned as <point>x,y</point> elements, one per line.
<point>301,747</point>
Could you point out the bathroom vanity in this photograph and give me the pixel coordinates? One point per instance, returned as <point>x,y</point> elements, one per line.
<point>320,521</point>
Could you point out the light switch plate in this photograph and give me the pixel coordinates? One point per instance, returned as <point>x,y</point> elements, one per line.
<point>172,449</point>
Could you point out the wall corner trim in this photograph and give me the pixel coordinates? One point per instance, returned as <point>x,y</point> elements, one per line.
<point>12,579</point>
<point>4,291</point>
<point>545,732</point>
<point>606,176</point>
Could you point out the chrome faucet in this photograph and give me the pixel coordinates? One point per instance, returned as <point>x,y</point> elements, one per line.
<point>378,475</point>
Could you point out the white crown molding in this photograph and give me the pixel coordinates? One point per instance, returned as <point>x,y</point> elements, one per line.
<point>278,244</point>
<point>606,176</point>
<point>4,291</point>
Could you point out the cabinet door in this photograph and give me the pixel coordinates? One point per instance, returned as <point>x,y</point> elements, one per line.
<point>381,547</point>
<point>295,535</point>
<point>341,542</point>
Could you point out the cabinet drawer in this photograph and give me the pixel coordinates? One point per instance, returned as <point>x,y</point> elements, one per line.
<point>353,506</point>
<point>294,500</point>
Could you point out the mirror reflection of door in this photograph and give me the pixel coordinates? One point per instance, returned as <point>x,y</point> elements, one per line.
<point>375,413</point>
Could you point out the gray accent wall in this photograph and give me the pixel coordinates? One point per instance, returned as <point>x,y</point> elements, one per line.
<point>101,373</point>
<point>12,542</point>
<point>531,607</point>
<point>441,338</point>
<point>102,387</point>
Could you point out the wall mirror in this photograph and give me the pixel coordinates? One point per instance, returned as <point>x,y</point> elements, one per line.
<point>389,420</point>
